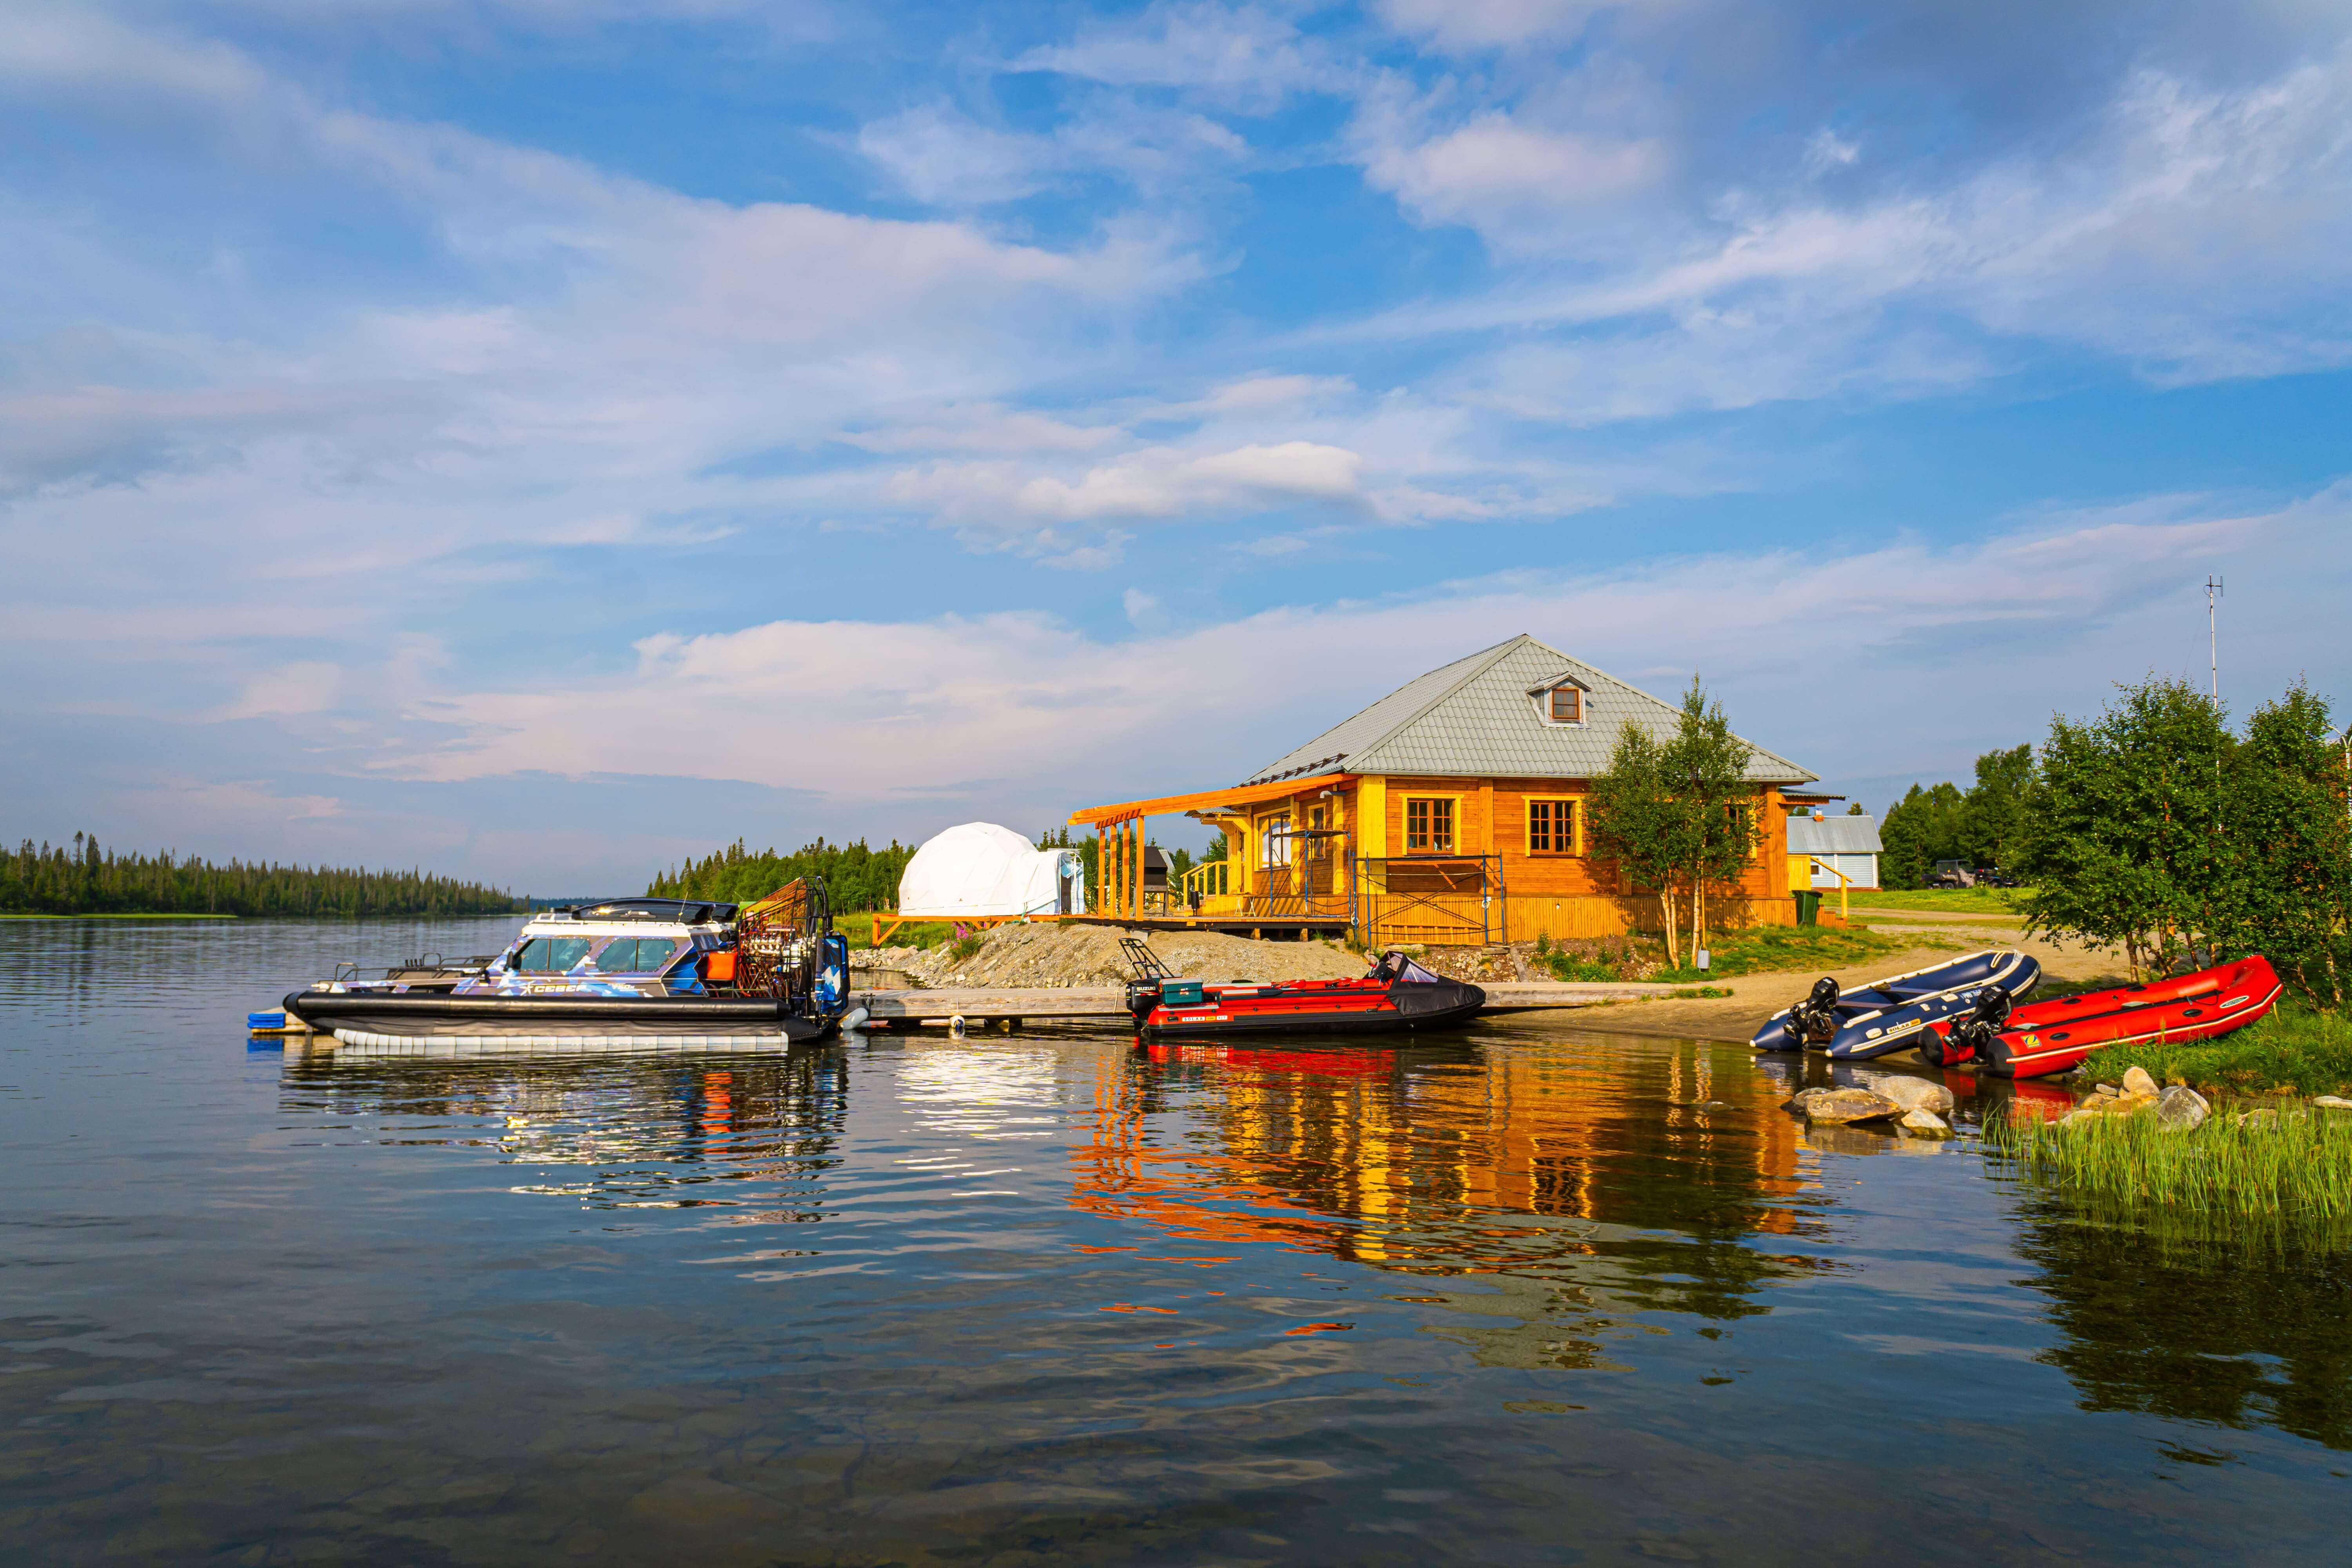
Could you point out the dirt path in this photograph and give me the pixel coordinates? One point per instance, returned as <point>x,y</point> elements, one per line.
<point>1756,997</point>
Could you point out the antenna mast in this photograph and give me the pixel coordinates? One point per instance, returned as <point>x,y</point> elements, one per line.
<point>2213,634</point>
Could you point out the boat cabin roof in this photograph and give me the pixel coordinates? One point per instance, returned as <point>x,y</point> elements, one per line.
<point>672,912</point>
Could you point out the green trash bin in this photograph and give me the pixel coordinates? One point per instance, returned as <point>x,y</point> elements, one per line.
<point>1809,907</point>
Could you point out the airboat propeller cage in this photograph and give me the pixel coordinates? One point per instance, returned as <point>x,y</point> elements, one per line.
<point>785,947</point>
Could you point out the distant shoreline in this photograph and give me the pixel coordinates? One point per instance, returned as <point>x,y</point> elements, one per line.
<point>119,915</point>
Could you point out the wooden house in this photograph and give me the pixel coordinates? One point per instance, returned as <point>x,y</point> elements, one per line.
<point>1454,810</point>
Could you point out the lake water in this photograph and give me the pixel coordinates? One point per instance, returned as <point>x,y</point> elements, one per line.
<point>1532,1295</point>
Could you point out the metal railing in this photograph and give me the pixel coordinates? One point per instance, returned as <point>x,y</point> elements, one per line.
<point>1444,901</point>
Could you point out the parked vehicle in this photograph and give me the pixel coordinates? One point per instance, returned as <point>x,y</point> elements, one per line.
<point>2054,1036</point>
<point>1952,874</point>
<point>1890,1013</point>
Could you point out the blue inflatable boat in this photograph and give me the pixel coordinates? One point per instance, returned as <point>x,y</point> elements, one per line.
<point>1888,1015</point>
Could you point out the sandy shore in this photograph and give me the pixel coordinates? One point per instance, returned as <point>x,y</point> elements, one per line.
<point>1756,997</point>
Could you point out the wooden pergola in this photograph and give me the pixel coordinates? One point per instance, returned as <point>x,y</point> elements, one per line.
<point>1121,828</point>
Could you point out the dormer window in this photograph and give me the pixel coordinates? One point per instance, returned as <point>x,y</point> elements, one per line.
<point>1566,705</point>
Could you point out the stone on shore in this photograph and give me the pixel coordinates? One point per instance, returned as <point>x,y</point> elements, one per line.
<point>1837,1106</point>
<point>1912,1093</point>
<point>2181,1108</point>
<point>1920,1123</point>
<point>2332,1102</point>
<point>2138,1081</point>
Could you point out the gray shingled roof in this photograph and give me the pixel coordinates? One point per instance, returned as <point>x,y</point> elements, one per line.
<point>1474,718</point>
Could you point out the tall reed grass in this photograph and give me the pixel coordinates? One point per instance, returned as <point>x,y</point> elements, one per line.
<point>2292,1168</point>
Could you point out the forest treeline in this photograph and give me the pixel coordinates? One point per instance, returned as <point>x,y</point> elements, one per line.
<point>2159,829</point>
<point>855,877</point>
<point>84,880</point>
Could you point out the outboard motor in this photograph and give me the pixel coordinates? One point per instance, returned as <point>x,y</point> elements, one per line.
<point>1814,1020</point>
<point>1971,1039</point>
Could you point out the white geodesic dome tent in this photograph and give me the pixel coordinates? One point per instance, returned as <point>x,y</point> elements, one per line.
<point>979,868</point>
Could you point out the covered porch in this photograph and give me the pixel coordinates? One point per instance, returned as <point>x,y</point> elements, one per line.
<point>1305,856</point>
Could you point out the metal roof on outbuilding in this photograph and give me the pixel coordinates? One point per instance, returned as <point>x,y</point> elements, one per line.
<point>1475,717</point>
<point>1834,835</point>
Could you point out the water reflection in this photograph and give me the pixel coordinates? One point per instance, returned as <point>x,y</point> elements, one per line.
<point>1577,1185</point>
<point>2196,1327</point>
<point>754,1134</point>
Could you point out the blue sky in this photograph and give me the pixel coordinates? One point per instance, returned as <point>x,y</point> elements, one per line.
<point>545,438</point>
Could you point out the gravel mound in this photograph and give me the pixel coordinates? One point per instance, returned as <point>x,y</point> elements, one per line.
<point>1052,954</point>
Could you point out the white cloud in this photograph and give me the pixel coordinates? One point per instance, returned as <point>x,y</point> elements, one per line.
<point>1242,57</point>
<point>1951,649</point>
<point>2194,234</point>
<point>1495,172</point>
<point>1466,25</point>
<point>308,687</point>
<point>1155,483</point>
<point>947,158</point>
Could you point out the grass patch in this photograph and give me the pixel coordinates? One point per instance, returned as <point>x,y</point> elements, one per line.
<point>2294,1050</point>
<point>1765,949</point>
<point>1700,994</point>
<point>963,947</point>
<point>2291,1169</point>
<point>1567,966</point>
<point>1947,900</point>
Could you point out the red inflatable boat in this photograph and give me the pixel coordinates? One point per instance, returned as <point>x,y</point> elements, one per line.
<point>2052,1037</point>
<point>1398,995</point>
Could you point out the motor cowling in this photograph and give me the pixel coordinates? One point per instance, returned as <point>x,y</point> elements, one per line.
<point>1972,1036</point>
<point>1814,1019</point>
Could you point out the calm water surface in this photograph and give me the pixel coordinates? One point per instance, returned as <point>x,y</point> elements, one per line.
<point>1530,1297</point>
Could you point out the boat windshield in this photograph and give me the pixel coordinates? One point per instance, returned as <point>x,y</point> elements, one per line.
<point>638,954</point>
<point>549,955</point>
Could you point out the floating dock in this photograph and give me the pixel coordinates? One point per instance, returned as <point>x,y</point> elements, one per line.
<point>1002,1006</point>
<point>1021,1003</point>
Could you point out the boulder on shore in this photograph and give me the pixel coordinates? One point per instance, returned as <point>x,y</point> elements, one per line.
<point>2181,1108</point>
<point>1919,1124</point>
<point>2136,1080</point>
<point>1837,1106</point>
<point>1914,1093</point>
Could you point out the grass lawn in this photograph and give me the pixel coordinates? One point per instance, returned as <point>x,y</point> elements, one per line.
<point>1945,900</point>
<point>2295,1051</point>
<point>1767,949</point>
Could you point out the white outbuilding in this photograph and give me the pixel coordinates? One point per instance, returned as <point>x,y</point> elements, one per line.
<point>977,869</point>
<point>1846,844</point>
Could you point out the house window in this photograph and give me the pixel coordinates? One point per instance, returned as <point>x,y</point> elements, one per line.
<point>1273,840</point>
<point>1551,827</point>
<point>1429,826</point>
<point>1567,705</point>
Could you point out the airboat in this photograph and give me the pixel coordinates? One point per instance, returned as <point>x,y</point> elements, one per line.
<point>623,974</point>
